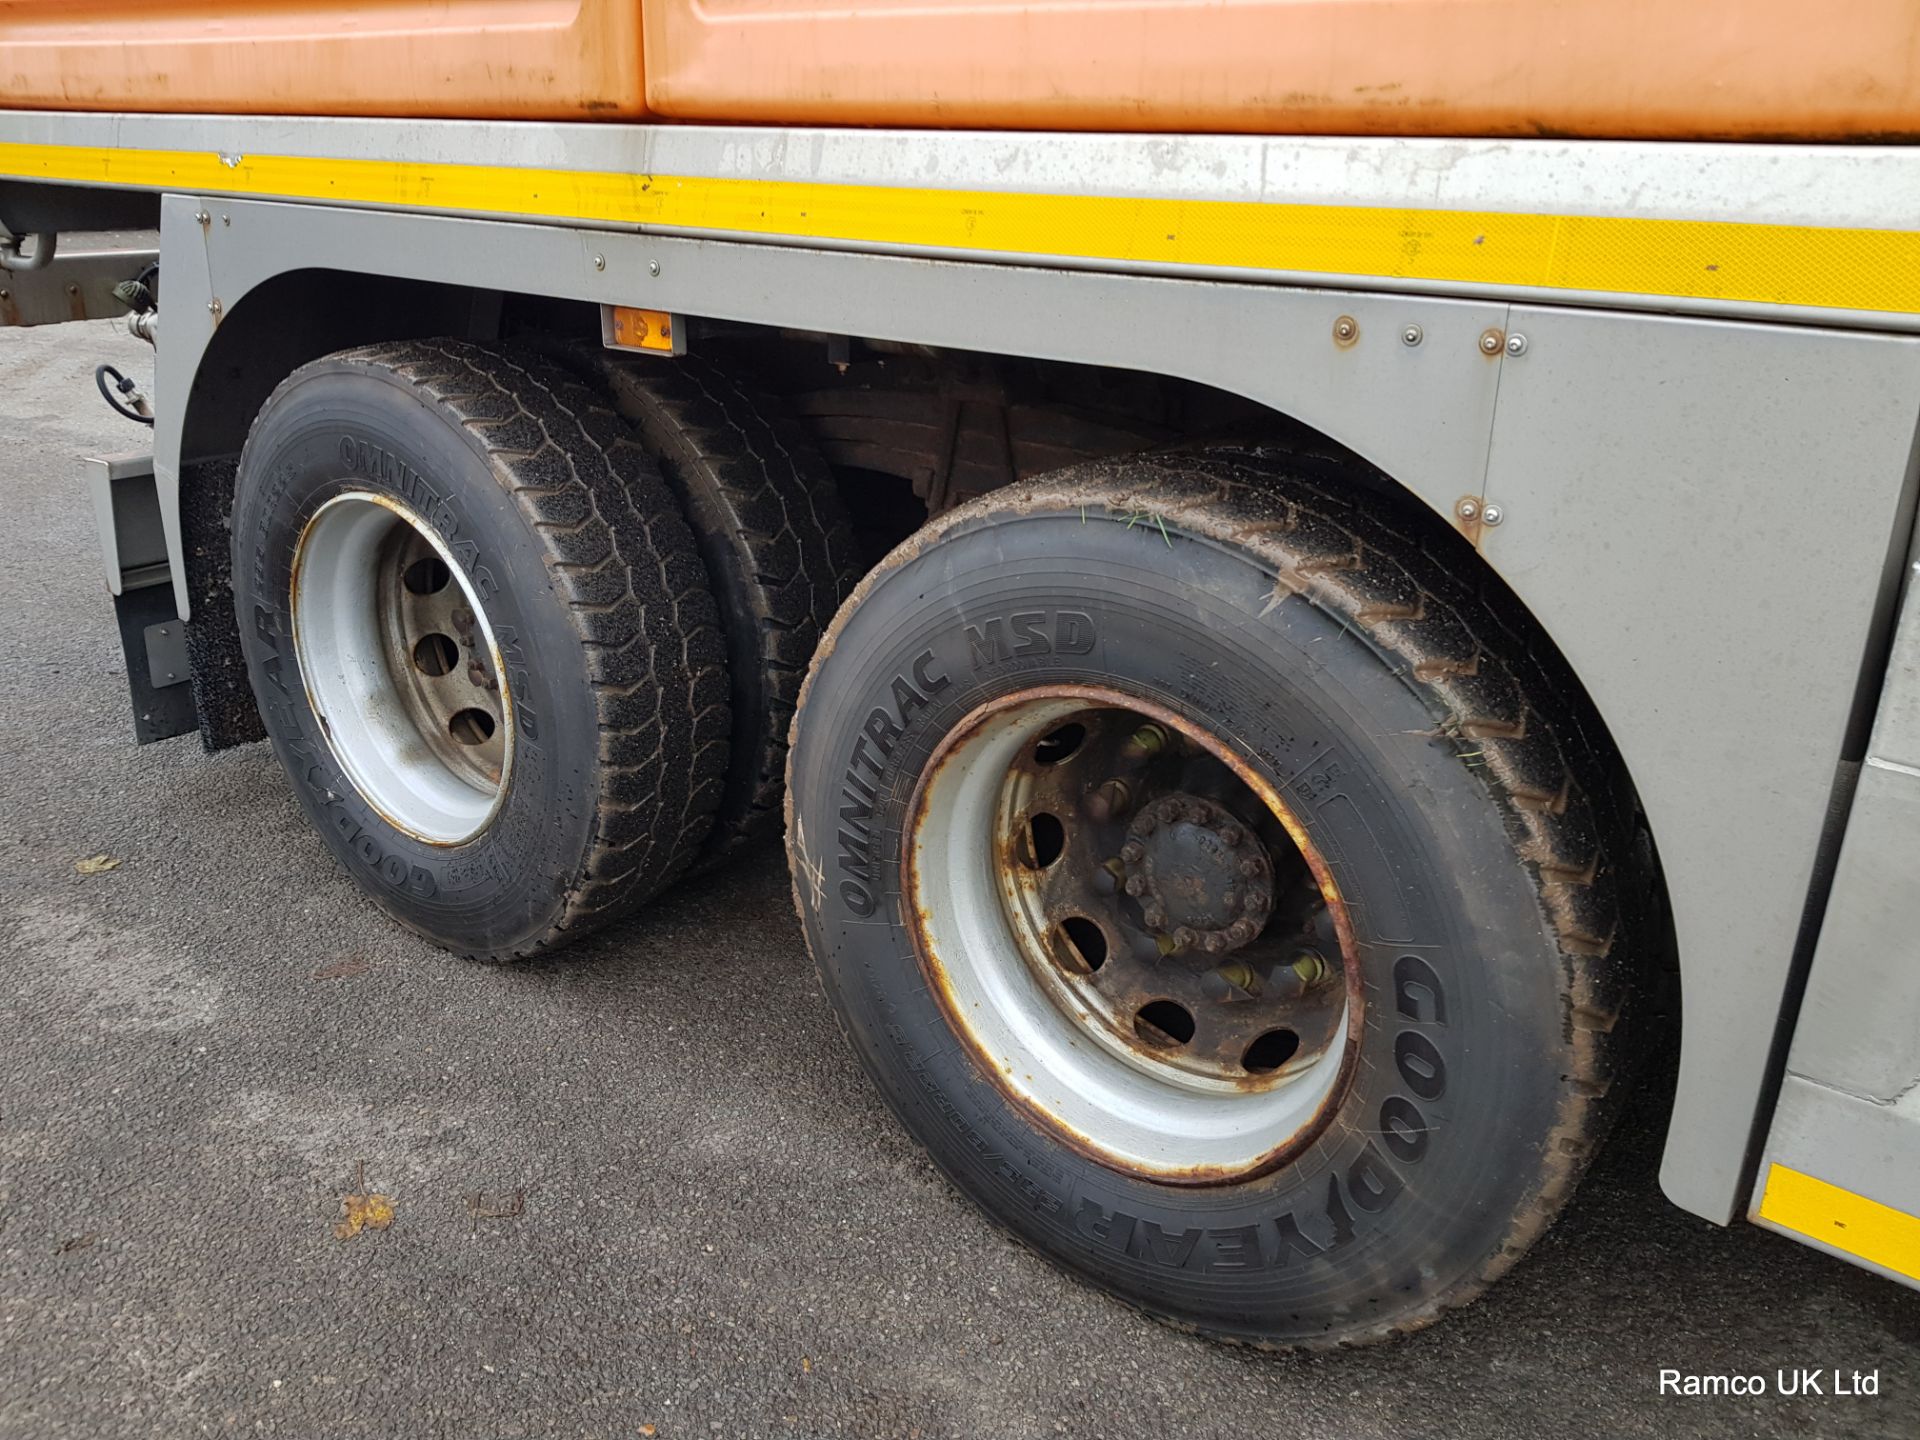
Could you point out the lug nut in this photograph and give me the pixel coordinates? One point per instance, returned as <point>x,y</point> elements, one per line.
<point>1111,800</point>
<point>1184,937</point>
<point>1234,981</point>
<point>1250,867</point>
<point>1214,942</point>
<point>1231,835</point>
<point>1146,742</point>
<point>1136,885</point>
<point>1133,852</point>
<point>1241,931</point>
<point>1155,915</point>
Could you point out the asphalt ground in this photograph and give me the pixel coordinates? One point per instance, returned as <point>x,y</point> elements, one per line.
<point>643,1186</point>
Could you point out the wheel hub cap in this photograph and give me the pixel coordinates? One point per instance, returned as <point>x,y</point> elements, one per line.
<point>1200,883</point>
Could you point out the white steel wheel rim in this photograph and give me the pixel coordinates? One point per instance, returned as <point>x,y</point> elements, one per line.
<point>352,664</point>
<point>1144,1120</point>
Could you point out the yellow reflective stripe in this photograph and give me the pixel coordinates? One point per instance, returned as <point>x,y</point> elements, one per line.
<point>1888,1237</point>
<point>1800,265</point>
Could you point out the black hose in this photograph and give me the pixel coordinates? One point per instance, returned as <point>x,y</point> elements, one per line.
<point>125,387</point>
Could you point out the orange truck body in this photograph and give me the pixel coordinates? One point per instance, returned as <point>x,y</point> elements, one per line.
<point>1709,69</point>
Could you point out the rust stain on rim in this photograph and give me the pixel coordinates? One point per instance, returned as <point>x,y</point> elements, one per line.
<point>930,966</point>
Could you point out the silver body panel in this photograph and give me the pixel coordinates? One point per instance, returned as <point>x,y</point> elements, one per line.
<point>1850,1104</point>
<point>1708,515</point>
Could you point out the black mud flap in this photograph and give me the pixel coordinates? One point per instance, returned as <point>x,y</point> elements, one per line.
<point>153,637</point>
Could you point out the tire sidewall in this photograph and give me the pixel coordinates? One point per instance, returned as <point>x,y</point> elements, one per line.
<point>1439,1141</point>
<point>341,426</point>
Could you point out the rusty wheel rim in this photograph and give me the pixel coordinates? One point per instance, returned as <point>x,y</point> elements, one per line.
<point>1133,934</point>
<point>401,667</point>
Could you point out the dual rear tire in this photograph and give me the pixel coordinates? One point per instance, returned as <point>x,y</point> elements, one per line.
<point>484,637</point>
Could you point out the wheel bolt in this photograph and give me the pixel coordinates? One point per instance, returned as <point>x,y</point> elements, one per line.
<point>1241,931</point>
<point>1250,868</point>
<point>1232,835</point>
<point>1184,936</point>
<point>1155,915</point>
<point>1235,980</point>
<point>1136,885</point>
<point>1147,741</point>
<point>1109,802</point>
<point>1214,942</point>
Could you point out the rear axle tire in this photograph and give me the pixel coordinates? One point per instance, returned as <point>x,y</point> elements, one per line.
<point>481,641</point>
<point>1290,1015</point>
<point>767,519</point>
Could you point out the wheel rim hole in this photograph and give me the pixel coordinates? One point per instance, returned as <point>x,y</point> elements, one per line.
<point>1060,744</point>
<point>427,576</point>
<point>1082,943</point>
<point>1046,838</point>
<point>471,727</point>
<point>1269,1052</point>
<point>1164,1023</point>
<point>436,654</point>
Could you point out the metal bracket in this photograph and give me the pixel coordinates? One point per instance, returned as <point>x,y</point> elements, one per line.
<point>167,654</point>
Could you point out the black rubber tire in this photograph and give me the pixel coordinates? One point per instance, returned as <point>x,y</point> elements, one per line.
<point>776,543</point>
<point>563,524</point>
<point>1472,818</point>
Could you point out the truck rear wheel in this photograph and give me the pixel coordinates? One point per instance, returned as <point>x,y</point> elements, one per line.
<point>481,641</point>
<point>767,519</point>
<point>1218,890</point>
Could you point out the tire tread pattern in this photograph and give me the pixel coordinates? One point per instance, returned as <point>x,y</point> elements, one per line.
<point>766,514</point>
